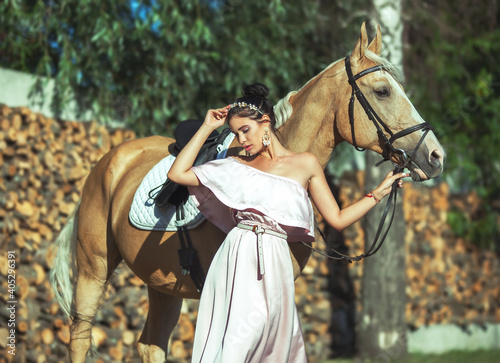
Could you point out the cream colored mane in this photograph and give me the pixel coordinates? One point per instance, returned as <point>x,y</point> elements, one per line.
<point>283,109</point>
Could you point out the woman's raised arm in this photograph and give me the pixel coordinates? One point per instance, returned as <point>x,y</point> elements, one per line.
<point>328,207</point>
<point>180,172</point>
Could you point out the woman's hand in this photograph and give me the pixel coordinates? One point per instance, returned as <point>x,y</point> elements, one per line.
<point>180,172</point>
<point>385,187</point>
<point>216,117</point>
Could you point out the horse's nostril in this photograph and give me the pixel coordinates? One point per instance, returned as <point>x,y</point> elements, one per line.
<point>436,158</point>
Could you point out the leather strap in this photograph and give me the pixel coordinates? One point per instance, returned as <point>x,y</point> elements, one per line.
<point>389,151</point>
<point>259,231</point>
<point>188,256</point>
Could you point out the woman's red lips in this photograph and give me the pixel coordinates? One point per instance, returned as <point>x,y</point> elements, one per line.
<point>247,147</point>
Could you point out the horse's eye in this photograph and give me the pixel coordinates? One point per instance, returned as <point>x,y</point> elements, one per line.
<point>383,92</point>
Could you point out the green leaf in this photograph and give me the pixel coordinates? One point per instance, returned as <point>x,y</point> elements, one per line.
<point>98,35</point>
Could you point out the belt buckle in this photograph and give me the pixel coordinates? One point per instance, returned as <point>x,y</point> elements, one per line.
<point>258,229</point>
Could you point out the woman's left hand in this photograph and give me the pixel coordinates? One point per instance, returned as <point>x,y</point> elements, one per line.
<point>216,117</point>
<point>385,187</point>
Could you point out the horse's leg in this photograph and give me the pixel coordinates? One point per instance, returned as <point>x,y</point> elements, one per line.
<point>89,291</point>
<point>162,318</point>
<point>94,271</point>
<point>97,256</point>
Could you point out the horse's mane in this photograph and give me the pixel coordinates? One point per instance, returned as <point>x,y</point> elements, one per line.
<point>283,109</point>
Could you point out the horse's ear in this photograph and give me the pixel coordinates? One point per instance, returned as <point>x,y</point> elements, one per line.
<point>359,49</point>
<point>376,44</point>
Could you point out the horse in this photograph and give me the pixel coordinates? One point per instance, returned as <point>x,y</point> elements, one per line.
<point>315,118</point>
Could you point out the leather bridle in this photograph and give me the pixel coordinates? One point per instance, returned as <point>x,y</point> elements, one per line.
<point>397,156</point>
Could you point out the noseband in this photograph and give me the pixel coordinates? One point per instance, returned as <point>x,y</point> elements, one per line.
<point>398,157</point>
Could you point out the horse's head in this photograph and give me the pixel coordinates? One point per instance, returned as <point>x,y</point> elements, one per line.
<point>384,119</point>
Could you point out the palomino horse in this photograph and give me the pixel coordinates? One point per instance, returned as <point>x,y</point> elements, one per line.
<point>99,235</point>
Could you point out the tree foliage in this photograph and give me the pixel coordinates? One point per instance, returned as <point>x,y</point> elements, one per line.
<point>451,68</point>
<point>154,63</point>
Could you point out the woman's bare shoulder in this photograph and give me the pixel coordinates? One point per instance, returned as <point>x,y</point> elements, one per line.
<point>306,159</point>
<point>306,164</point>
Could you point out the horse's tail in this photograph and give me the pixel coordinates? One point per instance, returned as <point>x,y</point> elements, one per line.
<point>64,272</point>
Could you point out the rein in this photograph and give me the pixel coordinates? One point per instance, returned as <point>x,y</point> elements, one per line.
<point>398,157</point>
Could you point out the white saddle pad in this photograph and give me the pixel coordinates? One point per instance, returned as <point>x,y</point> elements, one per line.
<point>144,214</point>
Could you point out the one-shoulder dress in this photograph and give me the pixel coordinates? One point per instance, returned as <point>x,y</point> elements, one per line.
<point>247,309</point>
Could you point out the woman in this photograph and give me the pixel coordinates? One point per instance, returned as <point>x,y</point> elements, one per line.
<point>247,309</point>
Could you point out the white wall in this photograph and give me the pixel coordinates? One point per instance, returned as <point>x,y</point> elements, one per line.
<point>15,87</point>
<point>441,338</point>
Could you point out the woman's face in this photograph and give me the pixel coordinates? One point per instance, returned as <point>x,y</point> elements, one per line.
<point>249,133</point>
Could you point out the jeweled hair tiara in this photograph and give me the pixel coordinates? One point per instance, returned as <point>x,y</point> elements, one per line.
<point>249,105</point>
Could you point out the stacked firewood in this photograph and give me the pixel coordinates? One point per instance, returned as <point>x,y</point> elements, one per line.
<point>449,280</point>
<point>43,165</point>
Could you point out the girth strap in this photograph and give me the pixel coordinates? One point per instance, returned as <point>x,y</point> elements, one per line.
<point>188,256</point>
<point>259,231</point>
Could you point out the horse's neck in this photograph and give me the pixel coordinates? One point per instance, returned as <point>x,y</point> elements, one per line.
<point>311,127</point>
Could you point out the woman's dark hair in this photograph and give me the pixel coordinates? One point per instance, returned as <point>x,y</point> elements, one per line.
<point>256,95</point>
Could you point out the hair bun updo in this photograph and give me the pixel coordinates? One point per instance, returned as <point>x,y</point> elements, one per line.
<point>255,90</point>
<point>254,95</point>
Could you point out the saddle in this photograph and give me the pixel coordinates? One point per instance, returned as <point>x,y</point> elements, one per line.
<point>177,195</point>
<point>174,193</point>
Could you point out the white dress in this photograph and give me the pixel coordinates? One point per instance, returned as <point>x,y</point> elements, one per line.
<point>247,308</point>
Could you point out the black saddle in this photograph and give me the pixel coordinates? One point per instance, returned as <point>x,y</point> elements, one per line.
<point>174,193</point>
<point>185,131</point>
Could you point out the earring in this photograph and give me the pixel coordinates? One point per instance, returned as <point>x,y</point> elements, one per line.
<point>266,139</point>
